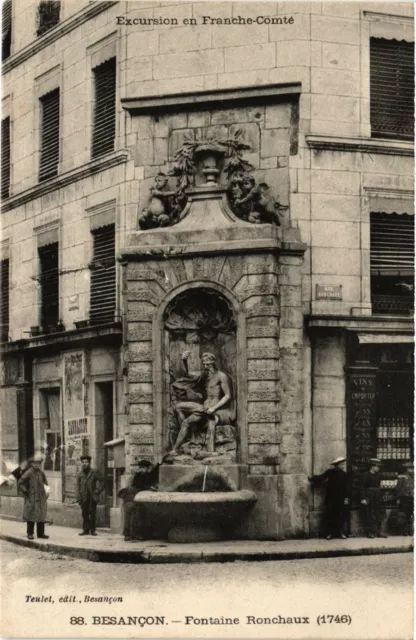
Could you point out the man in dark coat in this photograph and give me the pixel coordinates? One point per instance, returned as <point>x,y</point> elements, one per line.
<point>373,509</point>
<point>89,487</point>
<point>405,495</point>
<point>32,486</point>
<point>144,480</point>
<point>336,499</point>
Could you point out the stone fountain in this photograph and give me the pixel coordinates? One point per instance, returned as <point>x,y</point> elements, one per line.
<point>201,292</point>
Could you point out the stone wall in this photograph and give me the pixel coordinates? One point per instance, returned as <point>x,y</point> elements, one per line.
<point>328,409</point>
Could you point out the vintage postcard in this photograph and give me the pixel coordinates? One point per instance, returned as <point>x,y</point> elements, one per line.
<point>207,299</point>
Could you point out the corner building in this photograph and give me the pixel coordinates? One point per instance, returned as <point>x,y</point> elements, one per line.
<point>314,323</point>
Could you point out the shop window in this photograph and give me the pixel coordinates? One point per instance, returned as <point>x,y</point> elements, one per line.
<point>5,297</point>
<point>49,286</point>
<point>392,88</point>
<point>52,433</point>
<point>392,246</point>
<point>48,15</point>
<point>49,152</point>
<point>103,276</point>
<point>6,29</point>
<point>5,157</point>
<point>104,125</point>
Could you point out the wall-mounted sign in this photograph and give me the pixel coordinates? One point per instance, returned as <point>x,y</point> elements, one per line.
<point>329,292</point>
<point>73,302</point>
<point>77,427</point>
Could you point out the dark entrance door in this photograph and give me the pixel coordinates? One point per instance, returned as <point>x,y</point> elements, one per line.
<point>104,430</point>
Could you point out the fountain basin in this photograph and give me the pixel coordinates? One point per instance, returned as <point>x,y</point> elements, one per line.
<point>196,516</point>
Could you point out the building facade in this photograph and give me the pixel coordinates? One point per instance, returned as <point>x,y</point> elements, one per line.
<point>313,293</point>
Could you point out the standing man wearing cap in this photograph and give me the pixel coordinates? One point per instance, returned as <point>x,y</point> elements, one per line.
<point>372,502</point>
<point>336,499</point>
<point>32,485</point>
<point>89,487</point>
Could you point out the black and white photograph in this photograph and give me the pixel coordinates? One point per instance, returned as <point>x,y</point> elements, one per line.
<point>207,319</point>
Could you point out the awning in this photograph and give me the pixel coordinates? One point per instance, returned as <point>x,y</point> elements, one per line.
<point>384,338</point>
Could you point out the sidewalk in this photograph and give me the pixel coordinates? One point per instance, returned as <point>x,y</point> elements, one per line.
<point>110,547</point>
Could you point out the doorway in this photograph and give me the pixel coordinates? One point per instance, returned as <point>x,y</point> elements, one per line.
<point>104,431</point>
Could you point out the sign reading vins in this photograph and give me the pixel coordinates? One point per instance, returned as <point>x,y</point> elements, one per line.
<point>362,427</point>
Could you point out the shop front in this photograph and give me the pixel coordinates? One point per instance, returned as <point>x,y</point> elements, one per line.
<point>379,410</point>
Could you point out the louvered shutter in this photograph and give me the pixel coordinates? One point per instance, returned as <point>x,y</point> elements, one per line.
<point>49,153</point>
<point>392,244</point>
<point>392,88</point>
<point>103,276</point>
<point>49,284</point>
<point>104,129</point>
<point>48,15</point>
<point>6,29</point>
<point>5,158</point>
<point>5,295</point>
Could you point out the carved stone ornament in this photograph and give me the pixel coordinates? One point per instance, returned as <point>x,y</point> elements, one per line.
<point>209,158</point>
<point>201,414</point>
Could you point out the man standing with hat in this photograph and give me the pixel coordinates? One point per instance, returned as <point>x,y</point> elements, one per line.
<point>336,498</point>
<point>89,487</point>
<point>32,485</point>
<point>372,501</point>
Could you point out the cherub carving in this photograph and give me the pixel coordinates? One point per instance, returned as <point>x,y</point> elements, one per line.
<point>252,202</point>
<point>164,206</point>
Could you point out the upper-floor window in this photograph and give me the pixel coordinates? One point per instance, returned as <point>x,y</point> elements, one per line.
<point>49,286</point>
<point>392,88</point>
<point>5,157</point>
<point>103,275</point>
<point>6,29</point>
<point>48,15</point>
<point>104,125</point>
<point>49,150</point>
<point>392,263</point>
<point>4,300</point>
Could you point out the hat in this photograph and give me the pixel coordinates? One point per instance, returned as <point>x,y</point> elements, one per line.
<point>338,460</point>
<point>37,457</point>
<point>86,458</point>
<point>375,461</point>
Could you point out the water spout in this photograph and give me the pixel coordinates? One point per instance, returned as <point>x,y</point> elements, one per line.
<point>205,478</point>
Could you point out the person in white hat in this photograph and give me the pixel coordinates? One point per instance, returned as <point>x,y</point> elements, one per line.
<point>32,485</point>
<point>373,509</point>
<point>336,498</point>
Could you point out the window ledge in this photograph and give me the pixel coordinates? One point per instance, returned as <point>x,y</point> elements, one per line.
<point>70,338</point>
<point>363,145</point>
<point>94,166</point>
<point>55,33</point>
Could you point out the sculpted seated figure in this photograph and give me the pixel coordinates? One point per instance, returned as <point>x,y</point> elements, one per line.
<point>211,420</point>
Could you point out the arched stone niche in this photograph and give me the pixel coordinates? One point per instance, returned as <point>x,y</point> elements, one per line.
<point>200,419</point>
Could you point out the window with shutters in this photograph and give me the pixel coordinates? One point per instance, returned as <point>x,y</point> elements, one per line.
<point>392,246</point>
<point>103,276</point>
<point>5,297</point>
<point>49,151</point>
<point>48,15</point>
<point>392,88</point>
<point>49,286</point>
<point>104,125</point>
<point>6,29</point>
<point>5,158</point>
